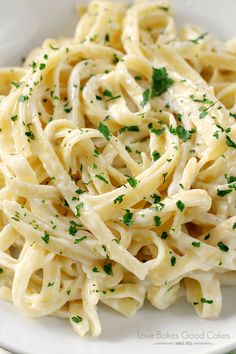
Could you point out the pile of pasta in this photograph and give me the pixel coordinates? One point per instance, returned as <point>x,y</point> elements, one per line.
<point>118,168</point>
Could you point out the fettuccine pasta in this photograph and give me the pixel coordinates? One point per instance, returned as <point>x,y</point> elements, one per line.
<point>118,168</point>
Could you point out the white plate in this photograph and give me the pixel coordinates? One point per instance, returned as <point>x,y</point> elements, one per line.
<point>24,24</point>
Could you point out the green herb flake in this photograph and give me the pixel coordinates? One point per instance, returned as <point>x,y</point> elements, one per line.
<point>30,135</point>
<point>23,98</point>
<point>230,142</point>
<point>119,199</point>
<point>73,228</point>
<point>132,181</point>
<point>42,66</point>
<point>78,208</point>
<point>160,81</point>
<point>76,319</point>
<point>183,133</point>
<point>127,218</point>
<point>155,155</point>
<point>146,96</point>
<point>95,270</point>
<point>196,40</point>
<point>107,267</point>
<point>156,198</point>
<point>128,149</point>
<point>222,246</point>
<point>46,237</point>
<point>78,240</point>
<point>164,235</point>
<point>173,261</point>
<point>222,193</point>
<point>131,128</point>
<point>157,220</point>
<point>196,244</point>
<point>164,8</point>
<point>50,284</point>
<point>180,205</point>
<point>16,84</point>
<point>233,115</point>
<point>103,179</point>
<point>205,301</point>
<point>14,118</point>
<point>104,130</point>
<point>79,191</point>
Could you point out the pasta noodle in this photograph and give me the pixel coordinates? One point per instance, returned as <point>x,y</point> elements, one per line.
<point>118,168</point>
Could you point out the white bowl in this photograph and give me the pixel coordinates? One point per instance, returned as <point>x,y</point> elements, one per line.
<point>24,25</point>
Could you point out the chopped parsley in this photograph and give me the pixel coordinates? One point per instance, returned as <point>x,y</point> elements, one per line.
<point>131,128</point>
<point>222,246</point>
<point>156,198</point>
<point>204,99</point>
<point>115,59</point>
<point>66,108</point>
<point>173,261</point>
<point>155,131</point>
<point>52,47</point>
<point>132,181</point>
<point>230,179</point>
<point>109,94</point>
<point>181,132</point>
<point>160,81</point>
<point>46,237</point>
<point>157,220</point>
<point>95,270</point>
<point>196,40</point>
<point>232,115</point>
<point>107,267</point>
<point>119,199</point>
<point>76,319</point>
<point>164,8</point>
<point>155,155</point>
<point>196,244</point>
<point>50,284</point>
<point>234,226</point>
<point>164,235</point>
<point>101,178</point>
<point>14,118</point>
<point>73,228</point>
<point>79,191</point>
<point>207,237</point>
<point>230,142</point>
<point>42,66</point>
<point>23,98</point>
<point>16,84</point>
<point>96,153</point>
<point>127,218</point>
<point>205,301</point>
<point>180,205</point>
<point>222,193</point>
<point>78,240</point>
<point>78,208</point>
<point>30,135</point>
<point>128,149</point>
<point>104,130</point>
<point>146,96</point>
